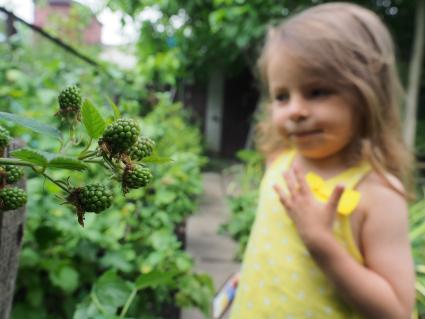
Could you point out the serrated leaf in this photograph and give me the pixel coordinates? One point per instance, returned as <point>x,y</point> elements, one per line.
<point>154,278</point>
<point>67,163</point>
<point>117,113</point>
<point>30,155</point>
<point>32,125</point>
<point>92,120</point>
<point>157,159</point>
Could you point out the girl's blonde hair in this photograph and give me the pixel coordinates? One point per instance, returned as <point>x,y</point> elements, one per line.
<point>350,48</point>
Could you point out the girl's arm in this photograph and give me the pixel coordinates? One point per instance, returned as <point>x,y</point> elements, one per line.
<point>384,286</point>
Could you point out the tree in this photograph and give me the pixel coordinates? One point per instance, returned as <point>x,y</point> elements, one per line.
<point>415,70</point>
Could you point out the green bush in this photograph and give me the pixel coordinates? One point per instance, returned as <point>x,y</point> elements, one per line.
<point>128,261</point>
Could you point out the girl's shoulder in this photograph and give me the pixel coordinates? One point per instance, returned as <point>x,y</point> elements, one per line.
<point>381,191</point>
<point>377,182</point>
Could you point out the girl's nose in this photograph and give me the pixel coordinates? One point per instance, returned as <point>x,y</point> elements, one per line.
<point>298,110</point>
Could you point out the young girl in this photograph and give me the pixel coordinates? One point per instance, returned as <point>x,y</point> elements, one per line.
<point>330,238</point>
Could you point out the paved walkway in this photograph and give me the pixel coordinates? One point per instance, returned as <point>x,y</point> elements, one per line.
<point>213,253</point>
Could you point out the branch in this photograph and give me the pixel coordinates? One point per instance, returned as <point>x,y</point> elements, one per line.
<point>56,40</point>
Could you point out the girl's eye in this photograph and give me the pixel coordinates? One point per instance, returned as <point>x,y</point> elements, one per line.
<point>319,93</point>
<point>281,97</point>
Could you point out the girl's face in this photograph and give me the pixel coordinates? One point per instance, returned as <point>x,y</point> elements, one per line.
<point>311,113</point>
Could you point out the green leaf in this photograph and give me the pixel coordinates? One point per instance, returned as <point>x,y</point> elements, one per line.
<point>157,159</point>
<point>30,155</point>
<point>92,120</point>
<point>32,125</point>
<point>66,278</point>
<point>67,163</point>
<point>117,113</point>
<point>154,278</point>
<point>47,159</point>
<point>111,291</point>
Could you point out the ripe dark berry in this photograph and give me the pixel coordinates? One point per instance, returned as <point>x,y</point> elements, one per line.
<point>93,198</point>
<point>11,173</point>
<point>70,98</point>
<point>4,138</point>
<point>12,198</point>
<point>136,177</point>
<point>120,135</point>
<point>142,148</point>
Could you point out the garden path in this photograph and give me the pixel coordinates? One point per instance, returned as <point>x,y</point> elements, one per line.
<point>213,253</point>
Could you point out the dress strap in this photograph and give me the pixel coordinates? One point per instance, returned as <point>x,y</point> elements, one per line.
<point>283,160</point>
<point>351,176</point>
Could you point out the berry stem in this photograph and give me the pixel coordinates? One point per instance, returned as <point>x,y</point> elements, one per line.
<point>98,304</point>
<point>87,147</point>
<point>128,303</point>
<point>58,183</point>
<point>84,154</point>
<point>17,162</point>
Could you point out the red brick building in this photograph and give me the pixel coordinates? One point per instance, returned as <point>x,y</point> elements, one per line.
<point>42,12</point>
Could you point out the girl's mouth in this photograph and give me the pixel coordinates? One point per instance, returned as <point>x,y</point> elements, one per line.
<point>301,134</point>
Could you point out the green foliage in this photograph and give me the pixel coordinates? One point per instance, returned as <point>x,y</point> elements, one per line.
<point>136,237</point>
<point>128,254</point>
<point>243,202</point>
<point>92,120</point>
<point>417,239</point>
<point>229,33</point>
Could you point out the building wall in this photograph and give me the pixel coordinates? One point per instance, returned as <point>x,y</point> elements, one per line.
<point>92,34</point>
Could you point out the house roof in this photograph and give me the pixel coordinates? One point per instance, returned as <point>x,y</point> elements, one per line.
<point>63,2</point>
<point>60,1</point>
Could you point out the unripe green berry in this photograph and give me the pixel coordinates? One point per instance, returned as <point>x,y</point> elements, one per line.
<point>136,177</point>
<point>93,198</point>
<point>12,198</point>
<point>4,137</point>
<point>70,98</point>
<point>142,148</point>
<point>12,173</point>
<point>120,135</point>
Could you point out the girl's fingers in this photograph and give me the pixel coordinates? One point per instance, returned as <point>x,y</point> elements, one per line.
<point>291,182</point>
<point>302,185</point>
<point>335,197</point>
<point>281,194</point>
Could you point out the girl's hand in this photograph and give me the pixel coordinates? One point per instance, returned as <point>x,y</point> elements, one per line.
<point>312,218</point>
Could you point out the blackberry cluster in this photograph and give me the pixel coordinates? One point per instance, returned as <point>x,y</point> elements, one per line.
<point>4,138</point>
<point>136,177</point>
<point>70,98</point>
<point>70,101</point>
<point>11,173</point>
<point>12,198</point>
<point>120,136</point>
<point>91,198</point>
<point>141,149</point>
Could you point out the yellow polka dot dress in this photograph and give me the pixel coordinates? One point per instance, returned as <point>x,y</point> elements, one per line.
<point>279,279</point>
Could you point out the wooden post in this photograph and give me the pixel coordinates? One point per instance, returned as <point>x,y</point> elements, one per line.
<point>214,122</point>
<point>11,233</point>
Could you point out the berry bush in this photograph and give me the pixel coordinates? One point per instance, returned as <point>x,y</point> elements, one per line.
<point>127,261</point>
